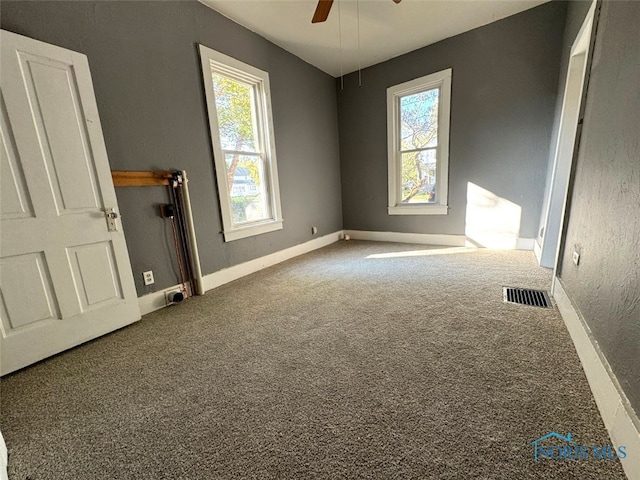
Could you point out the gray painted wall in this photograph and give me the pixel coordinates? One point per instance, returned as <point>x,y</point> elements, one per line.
<point>147,78</point>
<point>146,75</point>
<point>504,88</point>
<point>604,219</point>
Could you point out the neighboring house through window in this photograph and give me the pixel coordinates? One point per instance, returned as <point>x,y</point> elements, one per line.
<point>239,106</point>
<point>418,145</point>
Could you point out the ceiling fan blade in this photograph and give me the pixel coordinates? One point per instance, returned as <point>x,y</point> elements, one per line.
<point>322,11</point>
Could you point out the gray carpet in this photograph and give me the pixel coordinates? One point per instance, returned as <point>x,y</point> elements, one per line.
<point>340,364</point>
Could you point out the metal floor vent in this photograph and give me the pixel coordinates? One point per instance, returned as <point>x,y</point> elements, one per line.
<point>526,296</point>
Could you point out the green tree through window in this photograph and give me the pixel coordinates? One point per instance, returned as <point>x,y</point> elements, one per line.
<point>239,106</point>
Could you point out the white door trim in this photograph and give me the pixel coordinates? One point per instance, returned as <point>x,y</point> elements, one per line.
<point>564,149</point>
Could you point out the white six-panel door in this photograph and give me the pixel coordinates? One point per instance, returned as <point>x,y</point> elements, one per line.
<point>64,277</point>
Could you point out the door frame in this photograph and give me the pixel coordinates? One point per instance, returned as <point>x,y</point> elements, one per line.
<point>566,144</point>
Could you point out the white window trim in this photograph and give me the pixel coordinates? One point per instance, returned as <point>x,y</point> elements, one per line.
<point>440,79</point>
<point>236,69</point>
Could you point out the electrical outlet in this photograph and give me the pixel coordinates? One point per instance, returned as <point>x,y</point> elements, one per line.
<point>148,277</point>
<point>576,257</point>
<point>314,230</point>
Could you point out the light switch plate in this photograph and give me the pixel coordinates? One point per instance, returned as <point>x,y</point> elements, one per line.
<point>576,258</point>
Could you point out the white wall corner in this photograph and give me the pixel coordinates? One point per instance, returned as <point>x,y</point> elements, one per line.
<point>619,417</point>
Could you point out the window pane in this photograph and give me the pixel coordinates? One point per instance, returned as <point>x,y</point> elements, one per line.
<point>245,179</point>
<point>419,120</point>
<point>419,177</point>
<point>236,113</point>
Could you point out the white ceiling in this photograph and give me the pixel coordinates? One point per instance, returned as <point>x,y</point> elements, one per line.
<point>386,29</point>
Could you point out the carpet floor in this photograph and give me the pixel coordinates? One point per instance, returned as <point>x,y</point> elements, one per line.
<point>359,360</point>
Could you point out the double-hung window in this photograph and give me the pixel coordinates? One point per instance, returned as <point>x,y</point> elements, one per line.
<point>239,106</point>
<point>418,145</point>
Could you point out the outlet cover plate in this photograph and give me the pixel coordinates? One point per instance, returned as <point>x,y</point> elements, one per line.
<point>148,277</point>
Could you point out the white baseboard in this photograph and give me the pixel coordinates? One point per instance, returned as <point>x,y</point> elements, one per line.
<point>525,243</point>
<point>618,415</point>
<point>156,300</point>
<point>230,274</point>
<point>537,249</point>
<point>418,238</point>
<point>428,239</point>
<point>4,461</point>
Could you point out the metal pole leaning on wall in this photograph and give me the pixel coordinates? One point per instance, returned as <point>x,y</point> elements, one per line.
<point>161,178</point>
<point>195,256</point>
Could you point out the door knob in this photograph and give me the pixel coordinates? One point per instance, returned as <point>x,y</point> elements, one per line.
<point>111,215</point>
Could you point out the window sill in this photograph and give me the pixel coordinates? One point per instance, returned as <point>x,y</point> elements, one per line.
<point>252,230</point>
<point>419,210</point>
